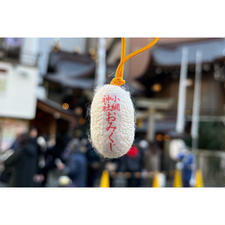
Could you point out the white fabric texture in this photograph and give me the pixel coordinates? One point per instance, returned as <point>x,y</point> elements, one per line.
<point>112,121</point>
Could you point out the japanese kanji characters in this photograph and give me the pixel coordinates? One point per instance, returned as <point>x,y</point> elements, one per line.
<point>112,121</point>
<point>111,106</point>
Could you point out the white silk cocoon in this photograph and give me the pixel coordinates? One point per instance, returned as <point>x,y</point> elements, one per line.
<point>112,121</point>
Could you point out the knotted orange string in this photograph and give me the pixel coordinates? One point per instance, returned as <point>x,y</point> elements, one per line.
<point>118,80</point>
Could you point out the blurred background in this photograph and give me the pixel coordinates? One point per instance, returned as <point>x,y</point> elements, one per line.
<point>46,88</point>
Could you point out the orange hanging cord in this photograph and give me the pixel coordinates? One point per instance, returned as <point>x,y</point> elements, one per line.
<point>118,80</point>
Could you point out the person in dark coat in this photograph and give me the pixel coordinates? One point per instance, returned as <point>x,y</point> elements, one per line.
<point>23,163</point>
<point>187,159</point>
<point>6,173</point>
<point>132,163</point>
<point>94,166</point>
<point>76,162</point>
<point>52,156</point>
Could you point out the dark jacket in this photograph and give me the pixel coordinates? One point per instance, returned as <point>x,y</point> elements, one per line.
<point>23,165</point>
<point>77,169</point>
<point>132,161</point>
<point>187,170</point>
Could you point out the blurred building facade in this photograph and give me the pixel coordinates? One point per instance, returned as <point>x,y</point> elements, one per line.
<point>66,69</point>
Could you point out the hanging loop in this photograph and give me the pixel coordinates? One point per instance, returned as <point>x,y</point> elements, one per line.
<point>118,80</point>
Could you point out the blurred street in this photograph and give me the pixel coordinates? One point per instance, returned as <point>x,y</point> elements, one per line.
<point>46,89</point>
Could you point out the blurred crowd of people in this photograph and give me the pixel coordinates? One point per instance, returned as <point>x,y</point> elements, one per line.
<point>35,161</point>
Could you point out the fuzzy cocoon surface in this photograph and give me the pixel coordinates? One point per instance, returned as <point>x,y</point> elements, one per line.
<point>112,121</point>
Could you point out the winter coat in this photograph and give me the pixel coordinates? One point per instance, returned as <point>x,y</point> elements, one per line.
<point>77,169</point>
<point>187,169</point>
<point>132,161</point>
<point>23,165</point>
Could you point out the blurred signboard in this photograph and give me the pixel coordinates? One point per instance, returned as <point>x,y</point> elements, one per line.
<point>18,91</point>
<point>9,128</point>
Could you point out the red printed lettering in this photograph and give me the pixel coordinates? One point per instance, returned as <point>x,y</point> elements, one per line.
<point>111,107</point>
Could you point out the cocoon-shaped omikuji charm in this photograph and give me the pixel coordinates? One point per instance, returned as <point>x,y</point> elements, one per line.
<point>112,112</point>
<point>112,121</point>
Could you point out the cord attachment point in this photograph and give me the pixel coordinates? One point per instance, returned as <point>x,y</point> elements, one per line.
<point>117,81</point>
